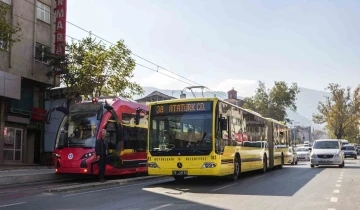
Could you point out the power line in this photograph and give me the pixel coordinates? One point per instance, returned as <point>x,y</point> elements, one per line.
<point>158,66</point>
<point>135,62</point>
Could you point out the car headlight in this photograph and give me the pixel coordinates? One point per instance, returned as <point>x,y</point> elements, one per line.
<point>337,155</point>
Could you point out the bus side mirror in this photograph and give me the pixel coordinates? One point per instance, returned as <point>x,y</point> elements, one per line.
<point>223,124</point>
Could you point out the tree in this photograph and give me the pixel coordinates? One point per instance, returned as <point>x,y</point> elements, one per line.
<point>91,68</point>
<point>8,32</point>
<point>318,134</point>
<point>273,103</point>
<point>339,111</point>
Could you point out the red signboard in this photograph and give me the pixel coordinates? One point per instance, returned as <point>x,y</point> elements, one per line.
<point>38,114</point>
<point>60,27</point>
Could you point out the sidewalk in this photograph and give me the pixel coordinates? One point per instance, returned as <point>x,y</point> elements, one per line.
<point>27,174</point>
<point>113,183</point>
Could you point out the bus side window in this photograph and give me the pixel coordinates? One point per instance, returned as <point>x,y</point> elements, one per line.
<point>128,137</point>
<point>140,140</point>
<point>111,135</point>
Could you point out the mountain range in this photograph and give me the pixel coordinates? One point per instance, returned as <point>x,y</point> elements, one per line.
<point>306,102</point>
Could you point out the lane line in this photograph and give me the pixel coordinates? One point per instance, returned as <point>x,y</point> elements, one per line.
<point>226,186</point>
<point>162,206</point>
<point>339,181</point>
<point>92,191</point>
<point>13,204</point>
<point>336,191</point>
<point>331,209</point>
<point>333,199</point>
<point>338,185</point>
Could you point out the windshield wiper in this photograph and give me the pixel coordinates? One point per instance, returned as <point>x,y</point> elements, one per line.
<point>198,151</point>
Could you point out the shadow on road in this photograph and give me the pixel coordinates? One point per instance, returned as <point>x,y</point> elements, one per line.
<point>284,182</point>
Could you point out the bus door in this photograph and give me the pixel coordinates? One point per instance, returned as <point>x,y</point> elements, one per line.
<point>114,145</point>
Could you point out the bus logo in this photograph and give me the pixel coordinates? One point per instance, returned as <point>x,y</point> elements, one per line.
<point>179,165</point>
<point>70,156</point>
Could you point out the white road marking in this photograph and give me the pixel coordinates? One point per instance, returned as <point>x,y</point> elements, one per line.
<point>338,185</point>
<point>339,181</point>
<point>331,209</point>
<point>130,185</point>
<point>336,191</point>
<point>13,204</point>
<point>334,199</point>
<point>220,188</point>
<point>162,206</point>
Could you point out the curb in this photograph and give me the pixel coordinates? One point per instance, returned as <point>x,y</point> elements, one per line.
<point>22,179</point>
<point>101,184</point>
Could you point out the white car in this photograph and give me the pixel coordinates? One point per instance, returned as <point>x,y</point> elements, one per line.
<point>303,153</point>
<point>293,155</point>
<point>327,152</point>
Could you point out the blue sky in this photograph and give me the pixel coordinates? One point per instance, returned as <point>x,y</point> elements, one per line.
<point>231,43</point>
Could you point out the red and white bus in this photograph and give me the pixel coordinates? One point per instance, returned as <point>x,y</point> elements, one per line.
<point>126,124</point>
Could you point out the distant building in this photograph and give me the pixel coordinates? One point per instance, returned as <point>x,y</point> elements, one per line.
<point>301,134</point>
<point>154,96</point>
<point>232,98</point>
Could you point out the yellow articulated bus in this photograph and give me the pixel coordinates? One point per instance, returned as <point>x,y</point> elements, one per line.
<point>211,137</point>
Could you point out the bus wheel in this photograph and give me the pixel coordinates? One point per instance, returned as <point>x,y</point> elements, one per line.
<point>179,178</point>
<point>264,170</point>
<point>282,161</point>
<point>236,173</point>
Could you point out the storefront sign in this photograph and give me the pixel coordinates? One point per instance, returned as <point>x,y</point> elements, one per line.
<point>38,114</point>
<point>60,28</point>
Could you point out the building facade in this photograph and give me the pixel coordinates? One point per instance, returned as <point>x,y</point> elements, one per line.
<point>233,98</point>
<point>23,81</point>
<point>154,96</point>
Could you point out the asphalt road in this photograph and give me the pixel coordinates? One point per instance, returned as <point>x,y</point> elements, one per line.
<point>293,187</point>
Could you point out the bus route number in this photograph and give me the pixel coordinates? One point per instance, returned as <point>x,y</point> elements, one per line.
<point>159,109</point>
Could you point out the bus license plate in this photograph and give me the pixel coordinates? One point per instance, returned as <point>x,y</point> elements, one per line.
<point>179,173</point>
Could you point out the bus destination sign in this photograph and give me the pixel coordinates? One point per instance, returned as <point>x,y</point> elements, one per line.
<point>182,107</point>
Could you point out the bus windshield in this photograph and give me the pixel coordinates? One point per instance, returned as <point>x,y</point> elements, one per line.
<point>79,128</point>
<point>181,134</point>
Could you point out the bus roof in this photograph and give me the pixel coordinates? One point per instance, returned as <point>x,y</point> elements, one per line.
<point>183,100</point>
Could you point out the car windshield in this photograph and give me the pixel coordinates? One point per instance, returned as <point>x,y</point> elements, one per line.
<point>79,128</point>
<point>302,149</point>
<point>326,145</point>
<point>349,148</point>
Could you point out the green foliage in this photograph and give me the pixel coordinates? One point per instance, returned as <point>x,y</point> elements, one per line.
<point>273,102</point>
<point>340,112</point>
<point>8,32</point>
<point>93,69</point>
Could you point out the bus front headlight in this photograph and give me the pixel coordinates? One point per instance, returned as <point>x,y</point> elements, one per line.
<point>152,165</point>
<point>209,165</point>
